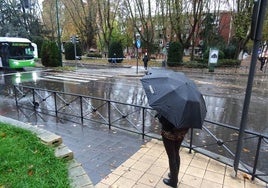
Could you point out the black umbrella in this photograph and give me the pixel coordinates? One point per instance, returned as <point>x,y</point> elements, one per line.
<point>175,97</point>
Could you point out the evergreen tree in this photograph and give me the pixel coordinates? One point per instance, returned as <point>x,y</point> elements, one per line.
<point>115,51</point>
<point>175,54</point>
<point>50,54</point>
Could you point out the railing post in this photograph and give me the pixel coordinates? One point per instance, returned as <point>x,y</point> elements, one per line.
<point>191,140</point>
<point>109,114</point>
<point>260,6</point>
<point>15,90</point>
<point>81,109</point>
<point>143,122</point>
<point>55,103</point>
<point>256,157</point>
<point>34,104</point>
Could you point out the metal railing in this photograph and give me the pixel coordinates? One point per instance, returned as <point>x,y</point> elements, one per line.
<point>216,140</point>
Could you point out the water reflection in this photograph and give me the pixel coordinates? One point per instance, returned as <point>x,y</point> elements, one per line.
<point>223,94</point>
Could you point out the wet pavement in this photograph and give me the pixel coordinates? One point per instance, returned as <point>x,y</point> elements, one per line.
<point>101,150</point>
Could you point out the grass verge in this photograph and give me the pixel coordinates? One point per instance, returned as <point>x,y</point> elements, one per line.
<point>26,162</point>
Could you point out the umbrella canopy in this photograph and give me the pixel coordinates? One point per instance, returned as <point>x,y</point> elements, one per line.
<point>175,97</point>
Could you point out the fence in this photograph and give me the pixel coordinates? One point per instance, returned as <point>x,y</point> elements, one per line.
<point>215,140</point>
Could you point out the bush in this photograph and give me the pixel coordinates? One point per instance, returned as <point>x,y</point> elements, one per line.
<point>39,42</point>
<point>69,50</point>
<point>228,63</point>
<point>195,64</point>
<point>175,54</point>
<point>115,51</point>
<point>93,54</point>
<point>230,51</point>
<point>203,63</point>
<point>50,54</point>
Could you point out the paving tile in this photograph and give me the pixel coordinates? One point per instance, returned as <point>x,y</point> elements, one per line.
<point>110,179</point>
<point>123,182</point>
<point>121,170</point>
<point>184,186</point>
<point>141,185</point>
<point>147,159</point>
<point>156,170</point>
<point>216,166</point>
<point>155,151</point>
<point>137,156</point>
<point>133,174</point>
<point>198,172</point>
<point>150,179</point>
<point>199,161</point>
<point>255,184</point>
<point>183,168</point>
<point>102,185</point>
<point>231,182</point>
<point>191,180</point>
<point>186,158</point>
<point>161,162</point>
<point>211,184</point>
<point>214,177</point>
<point>129,162</point>
<point>141,166</point>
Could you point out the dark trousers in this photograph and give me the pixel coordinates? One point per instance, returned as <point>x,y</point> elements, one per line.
<point>172,149</point>
<point>145,65</point>
<point>263,61</point>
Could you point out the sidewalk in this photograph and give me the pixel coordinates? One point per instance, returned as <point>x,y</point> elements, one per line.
<point>147,167</point>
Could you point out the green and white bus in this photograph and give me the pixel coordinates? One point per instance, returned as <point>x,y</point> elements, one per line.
<point>16,53</point>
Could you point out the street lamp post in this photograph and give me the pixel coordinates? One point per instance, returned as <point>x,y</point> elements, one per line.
<point>256,35</point>
<point>137,45</point>
<point>58,25</point>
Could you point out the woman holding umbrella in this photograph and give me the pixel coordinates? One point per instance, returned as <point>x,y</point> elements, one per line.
<point>180,106</point>
<point>172,139</point>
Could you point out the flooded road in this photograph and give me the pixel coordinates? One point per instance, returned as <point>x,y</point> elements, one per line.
<point>223,92</point>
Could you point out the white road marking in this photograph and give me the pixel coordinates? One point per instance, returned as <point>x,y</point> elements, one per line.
<point>67,79</point>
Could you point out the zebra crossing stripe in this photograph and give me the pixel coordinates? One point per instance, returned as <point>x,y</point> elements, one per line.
<point>77,77</point>
<point>67,79</point>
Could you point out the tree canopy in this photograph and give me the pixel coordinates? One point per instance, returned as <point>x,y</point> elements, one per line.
<point>156,22</point>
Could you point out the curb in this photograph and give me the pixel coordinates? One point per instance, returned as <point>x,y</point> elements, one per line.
<point>77,174</point>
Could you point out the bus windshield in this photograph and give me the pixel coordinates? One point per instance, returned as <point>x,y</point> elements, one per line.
<point>21,51</point>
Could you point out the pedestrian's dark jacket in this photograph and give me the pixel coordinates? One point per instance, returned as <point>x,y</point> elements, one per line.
<point>169,131</point>
<point>145,58</point>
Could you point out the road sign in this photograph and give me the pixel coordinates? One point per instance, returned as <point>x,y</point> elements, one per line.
<point>138,43</point>
<point>213,55</point>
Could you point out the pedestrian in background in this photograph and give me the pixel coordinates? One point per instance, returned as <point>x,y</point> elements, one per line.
<point>145,61</point>
<point>172,138</point>
<point>263,61</point>
<point>114,58</point>
<point>263,55</point>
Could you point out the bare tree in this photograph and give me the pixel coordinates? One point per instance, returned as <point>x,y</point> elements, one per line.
<point>19,18</point>
<point>83,19</point>
<point>143,20</point>
<point>49,16</point>
<point>185,17</point>
<point>242,21</point>
<point>107,12</point>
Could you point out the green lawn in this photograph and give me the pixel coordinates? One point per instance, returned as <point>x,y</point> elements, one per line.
<point>25,162</point>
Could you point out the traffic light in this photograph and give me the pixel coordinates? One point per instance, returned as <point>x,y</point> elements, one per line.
<point>74,39</point>
<point>167,45</point>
